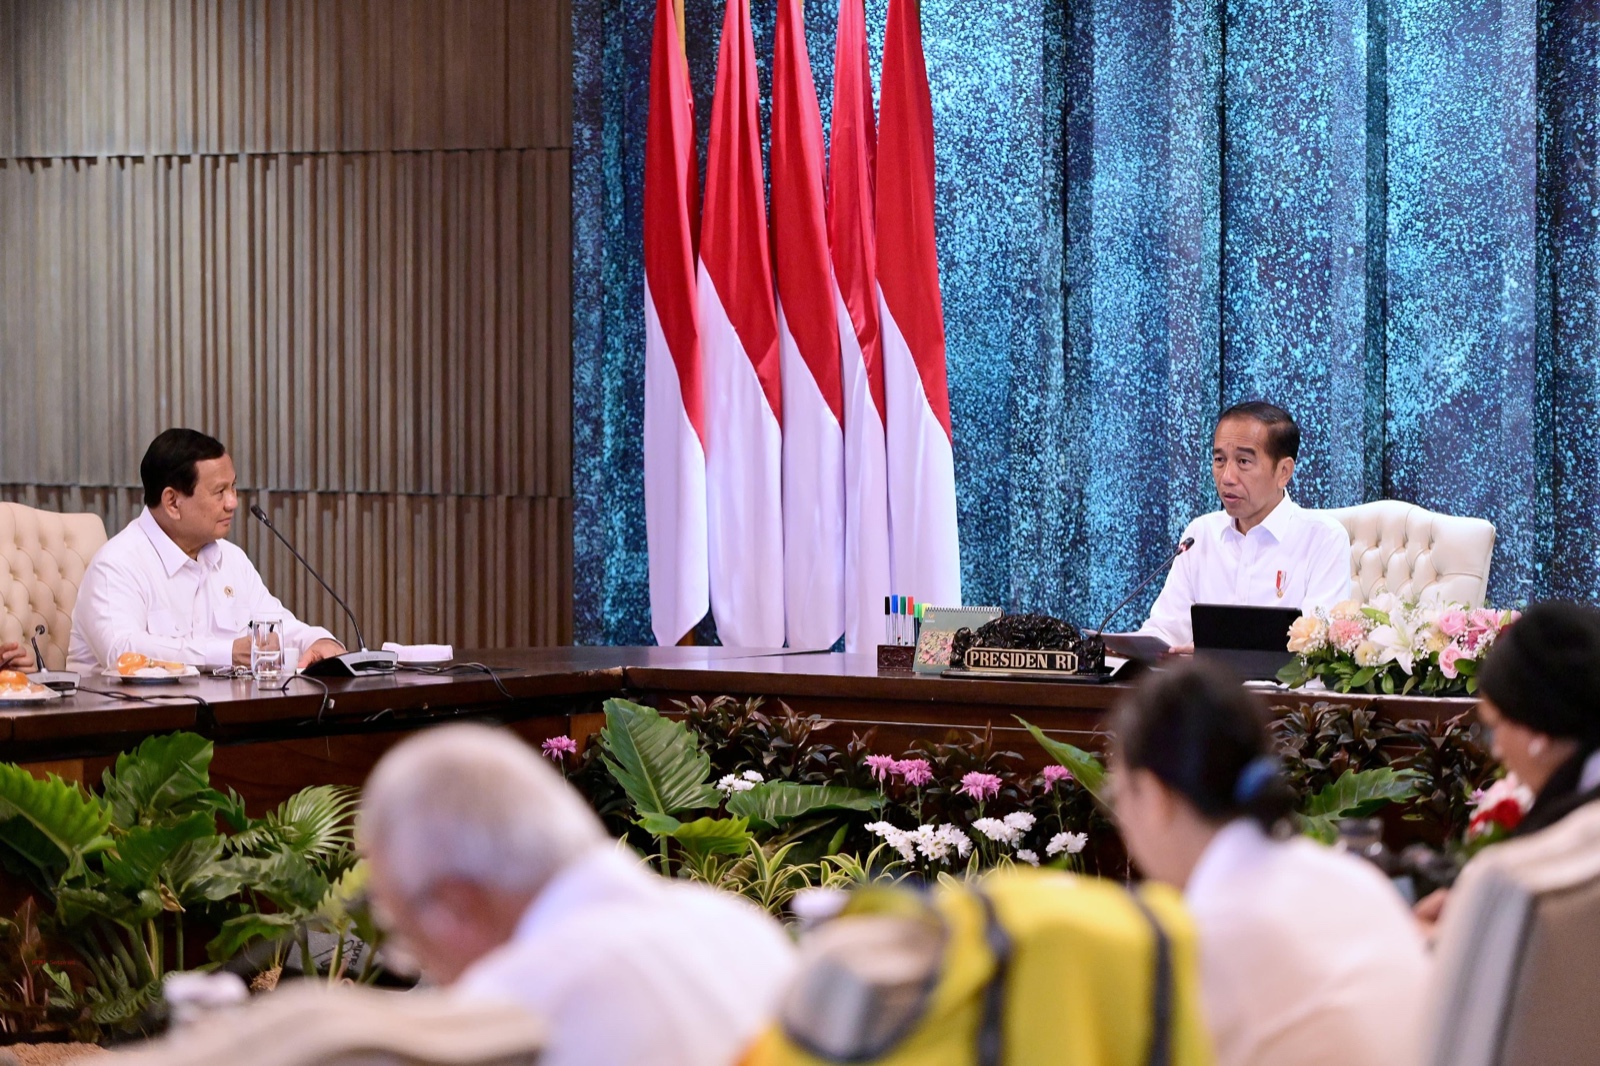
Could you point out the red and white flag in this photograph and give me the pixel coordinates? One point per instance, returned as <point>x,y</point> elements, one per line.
<point>739,324</point>
<point>922,483</point>
<point>808,349</point>
<point>674,403</point>
<point>852,243</point>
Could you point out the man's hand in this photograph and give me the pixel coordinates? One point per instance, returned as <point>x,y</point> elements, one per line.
<point>241,651</point>
<point>15,656</point>
<point>322,649</point>
<point>1177,651</point>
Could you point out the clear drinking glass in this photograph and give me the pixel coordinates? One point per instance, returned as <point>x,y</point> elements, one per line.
<point>266,648</point>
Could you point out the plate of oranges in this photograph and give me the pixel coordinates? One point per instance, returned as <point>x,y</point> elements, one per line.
<point>135,669</point>
<point>16,688</point>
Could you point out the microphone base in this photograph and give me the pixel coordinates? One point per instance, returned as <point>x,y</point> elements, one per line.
<point>61,680</point>
<point>354,664</point>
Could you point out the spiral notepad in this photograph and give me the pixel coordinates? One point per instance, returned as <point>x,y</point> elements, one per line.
<point>939,625</point>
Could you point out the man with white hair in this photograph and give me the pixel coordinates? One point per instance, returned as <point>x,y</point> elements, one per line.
<point>499,880</point>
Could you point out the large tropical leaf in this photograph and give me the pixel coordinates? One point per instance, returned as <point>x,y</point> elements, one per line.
<point>315,823</point>
<point>1086,769</point>
<point>713,836</point>
<point>75,904</point>
<point>1356,794</point>
<point>165,776</point>
<point>774,803</point>
<point>50,824</point>
<point>657,761</point>
<point>292,882</point>
<point>239,933</point>
<point>142,855</point>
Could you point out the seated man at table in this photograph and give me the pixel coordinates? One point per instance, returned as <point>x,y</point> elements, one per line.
<point>1261,549</point>
<point>497,879</point>
<point>169,587</point>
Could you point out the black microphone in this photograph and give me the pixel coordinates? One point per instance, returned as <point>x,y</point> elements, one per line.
<point>1188,542</point>
<point>351,663</point>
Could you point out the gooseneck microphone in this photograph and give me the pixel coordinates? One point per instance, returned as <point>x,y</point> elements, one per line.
<point>1188,542</point>
<point>351,663</point>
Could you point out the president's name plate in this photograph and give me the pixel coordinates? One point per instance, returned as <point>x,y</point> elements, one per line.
<point>1020,660</point>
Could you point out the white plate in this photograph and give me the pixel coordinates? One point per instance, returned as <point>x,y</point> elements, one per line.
<point>32,694</point>
<point>150,675</point>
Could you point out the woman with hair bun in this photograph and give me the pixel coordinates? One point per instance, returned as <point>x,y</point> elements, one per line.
<point>1307,955</point>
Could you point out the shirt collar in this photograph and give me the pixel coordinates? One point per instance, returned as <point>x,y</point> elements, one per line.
<point>1235,845</point>
<point>1276,524</point>
<point>174,558</point>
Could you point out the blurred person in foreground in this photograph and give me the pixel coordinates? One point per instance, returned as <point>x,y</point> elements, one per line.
<point>498,879</point>
<point>1539,696</point>
<point>1307,955</point>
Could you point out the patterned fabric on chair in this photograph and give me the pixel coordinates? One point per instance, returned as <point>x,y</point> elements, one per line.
<point>42,559</point>
<point>1417,554</point>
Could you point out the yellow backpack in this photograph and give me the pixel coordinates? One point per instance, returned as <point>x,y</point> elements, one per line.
<point>1026,968</point>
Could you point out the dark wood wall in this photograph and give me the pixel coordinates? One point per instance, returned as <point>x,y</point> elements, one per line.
<point>333,233</point>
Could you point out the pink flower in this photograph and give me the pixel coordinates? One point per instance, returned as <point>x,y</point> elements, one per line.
<point>1448,659</point>
<point>558,748</point>
<point>1054,775</point>
<point>1453,623</point>
<point>1346,634</point>
<point>881,766</point>
<point>980,786</point>
<point>915,772</point>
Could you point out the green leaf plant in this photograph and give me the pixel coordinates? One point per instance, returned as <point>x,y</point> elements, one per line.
<point>125,878</point>
<point>1356,794</point>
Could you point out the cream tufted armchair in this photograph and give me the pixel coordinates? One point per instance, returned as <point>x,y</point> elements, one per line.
<point>42,559</point>
<point>1414,553</point>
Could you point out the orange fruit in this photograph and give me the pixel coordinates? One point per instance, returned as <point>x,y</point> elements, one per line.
<point>13,679</point>
<point>131,661</point>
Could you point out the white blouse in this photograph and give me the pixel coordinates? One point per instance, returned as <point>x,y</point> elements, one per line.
<point>1308,956</point>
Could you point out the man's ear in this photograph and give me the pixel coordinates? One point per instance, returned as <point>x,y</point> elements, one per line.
<point>169,502</point>
<point>1285,471</point>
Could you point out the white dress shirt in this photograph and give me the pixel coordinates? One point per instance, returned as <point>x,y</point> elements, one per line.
<point>1293,558</point>
<point>1308,956</point>
<point>142,593</point>
<point>630,969</point>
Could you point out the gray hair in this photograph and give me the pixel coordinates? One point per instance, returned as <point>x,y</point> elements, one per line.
<point>476,804</point>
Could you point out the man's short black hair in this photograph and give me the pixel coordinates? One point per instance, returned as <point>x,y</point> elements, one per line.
<point>170,461</point>
<point>1283,435</point>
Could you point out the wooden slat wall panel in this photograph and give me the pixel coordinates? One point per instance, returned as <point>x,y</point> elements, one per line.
<point>336,234</point>
<point>352,322</point>
<point>180,77</point>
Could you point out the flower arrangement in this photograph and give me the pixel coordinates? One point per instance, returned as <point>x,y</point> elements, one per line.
<point>1393,647</point>
<point>1496,812</point>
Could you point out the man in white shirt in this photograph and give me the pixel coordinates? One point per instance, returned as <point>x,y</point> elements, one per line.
<point>1261,549</point>
<point>497,879</point>
<point>169,586</point>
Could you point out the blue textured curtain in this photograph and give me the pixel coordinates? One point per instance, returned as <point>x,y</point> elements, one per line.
<point>1379,213</point>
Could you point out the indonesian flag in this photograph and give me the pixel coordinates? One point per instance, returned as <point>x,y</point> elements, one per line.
<point>808,350</point>
<point>744,444</point>
<point>674,404</point>
<point>854,249</point>
<point>922,482</point>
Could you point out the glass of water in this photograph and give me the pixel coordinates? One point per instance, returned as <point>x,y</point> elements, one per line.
<point>266,648</point>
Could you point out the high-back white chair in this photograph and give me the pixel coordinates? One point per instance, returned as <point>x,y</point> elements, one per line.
<point>42,559</point>
<point>1417,554</point>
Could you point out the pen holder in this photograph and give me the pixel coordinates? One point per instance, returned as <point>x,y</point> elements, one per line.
<point>895,658</point>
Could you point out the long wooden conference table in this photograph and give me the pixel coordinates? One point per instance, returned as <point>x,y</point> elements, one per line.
<point>270,743</point>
